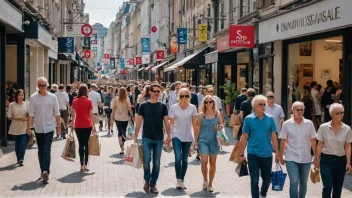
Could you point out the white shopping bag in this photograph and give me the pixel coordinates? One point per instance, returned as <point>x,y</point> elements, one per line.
<point>132,157</point>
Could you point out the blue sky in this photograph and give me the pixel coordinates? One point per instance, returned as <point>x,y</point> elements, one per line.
<point>102,11</point>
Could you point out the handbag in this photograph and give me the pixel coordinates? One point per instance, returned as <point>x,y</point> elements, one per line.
<point>223,140</point>
<point>234,120</point>
<point>242,169</point>
<point>235,157</point>
<point>31,140</point>
<point>94,145</point>
<point>278,178</point>
<point>314,175</point>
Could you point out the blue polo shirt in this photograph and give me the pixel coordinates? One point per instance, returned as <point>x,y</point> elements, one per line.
<point>259,134</point>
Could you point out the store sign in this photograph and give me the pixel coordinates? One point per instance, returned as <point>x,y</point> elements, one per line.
<point>202,32</point>
<point>112,63</point>
<point>182,35</point>
<point>52,52</point>
<point>86,53</point>
<point>145,45</point>
<point>241,36</point>
<point>9,14</point>
<point>122,63</point>
<point>138,60</point>
<point>317,17</point>
<point>160,55</point>
<point>94,42</point>
<point>211,57</point>
<point>222,43</point>
<point>131,61</point>
<point>333,48</point>
<point>107,56</point>
<point>66,44</point>
<point>94,48</point>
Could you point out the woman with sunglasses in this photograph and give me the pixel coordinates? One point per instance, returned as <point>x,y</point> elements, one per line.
<point>209,122</point>
<point>182,118</point>
<point>334,152</point>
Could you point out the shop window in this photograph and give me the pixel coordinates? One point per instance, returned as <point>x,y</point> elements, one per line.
<point>265,73</point>
<point>316,60</point>
<point>227,74</point>
<point>267,3</point>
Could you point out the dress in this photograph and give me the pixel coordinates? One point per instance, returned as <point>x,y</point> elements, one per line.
<point>208,144</point>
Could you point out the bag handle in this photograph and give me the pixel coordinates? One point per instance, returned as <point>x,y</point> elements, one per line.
<point>278,167</point>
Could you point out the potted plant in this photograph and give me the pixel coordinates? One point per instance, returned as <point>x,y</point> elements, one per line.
<point>230,96</point>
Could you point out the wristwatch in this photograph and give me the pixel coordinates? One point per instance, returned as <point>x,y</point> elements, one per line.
<point>241,155</point>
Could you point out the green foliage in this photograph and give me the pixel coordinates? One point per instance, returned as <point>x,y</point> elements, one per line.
<point>230,93</point>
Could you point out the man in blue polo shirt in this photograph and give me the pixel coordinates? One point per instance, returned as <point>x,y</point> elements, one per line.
<point>259,131</point>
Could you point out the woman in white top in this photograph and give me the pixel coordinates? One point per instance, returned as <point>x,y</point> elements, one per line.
<point>297,137</point>
<point>334,151</point>
<point>17,113</point>
<point>182,118</point>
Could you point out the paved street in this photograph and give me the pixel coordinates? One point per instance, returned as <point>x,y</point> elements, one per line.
<point>109,177</point>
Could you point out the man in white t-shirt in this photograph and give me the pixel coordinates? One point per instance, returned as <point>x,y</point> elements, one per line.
<point>96,101</point>
<point>163,94</point>
<point>210,90</point>
<point>276,111</point>
<point>64,104</point>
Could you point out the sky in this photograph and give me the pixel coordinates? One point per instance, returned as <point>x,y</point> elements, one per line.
<point>102,11</point>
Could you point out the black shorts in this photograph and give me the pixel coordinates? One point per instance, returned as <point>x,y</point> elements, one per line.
<point>100,110</point>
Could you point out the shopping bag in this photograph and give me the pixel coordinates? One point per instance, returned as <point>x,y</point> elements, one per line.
<point>242,169</point>
<point>314,175</point>
<point>132,157</point>
<point>31,140</point>
<point>223,140</point>
<point>234,120</point>
<point>140,152</point>
<point>235,156</point>
<point>69,148</point>
<point>94,145</point>
<point>235,130</point>
<point>278,178</point>
<point>130,130</point>
<point>168,147</point>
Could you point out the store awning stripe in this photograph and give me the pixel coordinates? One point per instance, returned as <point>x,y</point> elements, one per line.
<point>182,62</point>
<point>160,65</point>
<point>140,69</point>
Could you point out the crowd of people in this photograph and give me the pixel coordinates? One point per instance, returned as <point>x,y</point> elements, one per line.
<point>188,117</point>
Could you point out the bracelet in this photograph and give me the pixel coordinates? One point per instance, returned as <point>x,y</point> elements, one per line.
<point>241,155</point>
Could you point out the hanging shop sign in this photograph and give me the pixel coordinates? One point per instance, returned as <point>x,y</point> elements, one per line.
<point>107,56</point>
<point>131,61</point>
<point>66,44</point>
<point>94,42</point>
<point>182,35</point>
<point>222,43</point>
<point>145,45</point>
<point>112,63</point>
<point>145,59</point>
<point>202,32</point>
<point>86,29</point>
<point>160,54</point>
<point>86,43</point>
<point>86,53</point>
<point>241,36</point>
<point>94,48</point>
<point>138,60</point>
<point>173,45</point>
<point>122,63</point>
<point>211,57</point>
<point>316,17</point>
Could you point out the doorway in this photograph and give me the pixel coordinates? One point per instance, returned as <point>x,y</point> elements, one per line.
<point>241,76</point>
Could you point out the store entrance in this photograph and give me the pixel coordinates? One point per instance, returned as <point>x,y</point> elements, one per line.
<point>241,76</point>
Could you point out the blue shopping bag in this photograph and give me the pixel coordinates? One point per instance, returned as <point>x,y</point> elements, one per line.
<point>278,178</point>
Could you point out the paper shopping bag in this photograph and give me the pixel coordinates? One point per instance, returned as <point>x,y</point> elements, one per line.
<point>234,120</point>
<point>132,157</point>
<point>94,145</point>
<point>242,169</point>
<point>236,129</point>
<point>69,148</point>
<point>31,140</point>
<point>140,152</point>
<point>235,156</point>
<point>314,175</point>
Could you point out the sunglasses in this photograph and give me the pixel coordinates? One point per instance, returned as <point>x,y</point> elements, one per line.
<point>339,113</point>
<point>184,96</point>
<point>44,85</point>
<point>261,104</point>
<point>299,110</point>
<point>211,91</point>
<point>156,91</point>
<point>210,102</point>
<point>270,97</point>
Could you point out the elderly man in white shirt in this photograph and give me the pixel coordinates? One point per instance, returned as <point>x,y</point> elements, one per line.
<point>276,111</point>
<point>96,100</point>
<point>210,90</point>
<point>297,138</point>
<point>44,107</point>
<point>64,103</point>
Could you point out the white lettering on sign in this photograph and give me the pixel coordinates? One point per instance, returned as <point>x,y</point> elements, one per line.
<point>240,39</point>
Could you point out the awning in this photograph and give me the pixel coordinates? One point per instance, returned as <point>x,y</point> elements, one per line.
<point>149,67</point>
<point>140,69</point>
<point>182,61</point>
<point>160,65</point>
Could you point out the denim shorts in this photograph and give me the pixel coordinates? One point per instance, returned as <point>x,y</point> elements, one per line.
<point>208,149</point>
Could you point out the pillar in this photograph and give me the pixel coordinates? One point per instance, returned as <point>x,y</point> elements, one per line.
<point>58,73</point>
<point>3,124</point>
<point>33,68</point>
<point>40,61</point>
<point>46,64</point>
<point>21,62</point>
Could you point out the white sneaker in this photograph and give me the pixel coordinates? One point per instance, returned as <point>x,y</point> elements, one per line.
<point>183,186</point>
<point>179,184</point>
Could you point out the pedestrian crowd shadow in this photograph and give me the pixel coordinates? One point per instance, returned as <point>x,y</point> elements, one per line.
<point>117,155</point>
<point>76,177</point>
<point>169,165</point>
<point>173,192</point>
<point>119,162</point>
<point>9,167</point>
<point>33,185</point>
<point>140,194</point>
<point>348,182</point>
<point>204,194</point>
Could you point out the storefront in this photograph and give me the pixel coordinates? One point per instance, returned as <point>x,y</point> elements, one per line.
<point>158,71</point>
<point>312,43</point>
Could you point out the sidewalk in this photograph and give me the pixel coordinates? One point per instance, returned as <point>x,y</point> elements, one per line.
<point>109,177</point>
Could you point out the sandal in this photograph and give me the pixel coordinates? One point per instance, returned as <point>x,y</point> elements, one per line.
<point>205,185</point>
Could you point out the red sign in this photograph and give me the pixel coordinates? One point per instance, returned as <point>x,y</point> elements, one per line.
<point>86,30</point>
<point>160,54</point>
<point>222,43</point>
<point>86,53</point>
<point>154,29</point>
<point>107,56</point>
<point>138,60</point>
<point>94,42</point>
<point>131,61</point>
<point>241,36</point>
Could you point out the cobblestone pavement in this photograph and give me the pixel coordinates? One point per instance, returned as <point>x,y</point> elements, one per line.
<point>109,177</point>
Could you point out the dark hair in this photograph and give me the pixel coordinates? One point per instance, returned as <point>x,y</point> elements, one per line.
<point>319,87</point>
<point>18,93</point>
<point>330,83</point>
<point>83,91</point>
<point>88,85</point>
<point>163,84</point>
<point>244,90</point>
<point>68,88</point>
<point>313,83</point>
<point>251,92</point>
<point>61,86</point>
<point>154,85</point>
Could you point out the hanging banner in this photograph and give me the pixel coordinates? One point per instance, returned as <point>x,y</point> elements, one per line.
<point>202,32</point>
<point>160,55</point>
<point>131,61</point>
<point>173,45</point>
<point>86,53</point>
<point>241,36</point>
<point>145,59</point>
<point>112,63</point>
<point>182,35</point>
<point>66,44</point>
<point>138,60</point>
<point>145,44</point>
<point>86,43</point>
<point>122,63</point>
<point>107,56</point>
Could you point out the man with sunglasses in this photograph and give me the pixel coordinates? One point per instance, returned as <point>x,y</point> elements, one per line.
<point>154,115</point>
<point>44,108</point>
<point>211,91</point>
<point>276,111</point>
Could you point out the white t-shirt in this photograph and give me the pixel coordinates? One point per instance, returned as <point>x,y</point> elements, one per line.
<point>95,97</point>
<point>277,112</point>
<point>163,97</point>
<point>183,122</point>
<point>62,98</point>
<point>218,102</point>
<point>314,94</point>
<point>298,140</point>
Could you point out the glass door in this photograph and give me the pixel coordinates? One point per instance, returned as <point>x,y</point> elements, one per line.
<point>241,76</point>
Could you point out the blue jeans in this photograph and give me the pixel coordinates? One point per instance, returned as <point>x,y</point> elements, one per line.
<point>20,146</point>
<point>44,141</point>
<point>150,146</point>
<point>181,150</point>
<point>332,171</point>
<point>298,174</point>
<point>262,164</point>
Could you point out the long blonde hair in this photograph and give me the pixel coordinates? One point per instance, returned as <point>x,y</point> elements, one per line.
<point>122,97</point>
<point>203,106</point>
